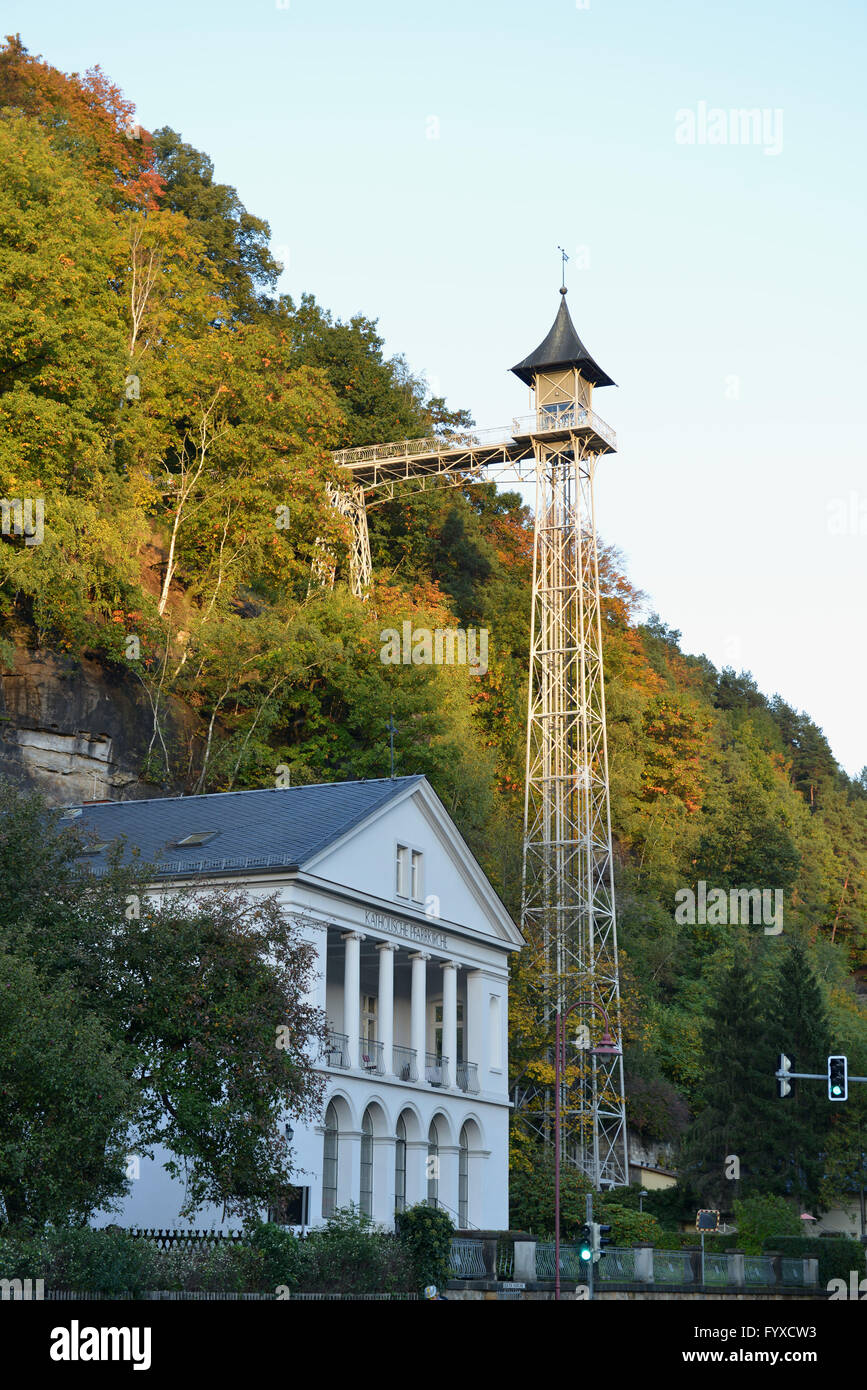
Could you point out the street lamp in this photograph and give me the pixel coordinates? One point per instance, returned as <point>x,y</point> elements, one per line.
<point>606,1047</point>
<point>641,1196</point>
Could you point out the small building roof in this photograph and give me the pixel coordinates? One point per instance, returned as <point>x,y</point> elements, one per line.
<point>275,828</point>
<point>562,348</point>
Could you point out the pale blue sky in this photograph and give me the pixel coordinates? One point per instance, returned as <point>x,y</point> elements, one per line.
<point>721,286</point>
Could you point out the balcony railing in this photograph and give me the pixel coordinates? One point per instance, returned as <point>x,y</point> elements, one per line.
<point>336,1050</point>
<point>468,1077</point>
<point>404,1063</point>
<point>436,1069</point>
<point>370,1056</point>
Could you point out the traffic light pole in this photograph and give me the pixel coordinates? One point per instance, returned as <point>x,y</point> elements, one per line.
<point>809,1076</point>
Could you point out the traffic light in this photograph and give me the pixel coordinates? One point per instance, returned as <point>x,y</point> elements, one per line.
<point>585,1243</point>
<point>838,1078</point>
<point>601,1238</point>
<point>785,1087</point>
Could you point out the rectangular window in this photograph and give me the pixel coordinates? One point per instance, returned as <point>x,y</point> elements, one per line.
<point>438,1032</point>
<point>495,1042</point>
<point>402,871</point>
<point>416,875</point>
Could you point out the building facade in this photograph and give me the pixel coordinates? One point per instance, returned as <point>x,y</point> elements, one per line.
<point>412,951</point>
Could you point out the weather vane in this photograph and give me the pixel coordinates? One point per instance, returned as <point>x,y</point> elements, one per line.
<point>565,259</point>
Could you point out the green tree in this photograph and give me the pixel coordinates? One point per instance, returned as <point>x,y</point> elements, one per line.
<point>733,1094</point>
<point>184,998</point>
<point>797,1127</point>
<point>67,1099</point>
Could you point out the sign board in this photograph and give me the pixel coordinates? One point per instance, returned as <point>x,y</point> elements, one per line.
<point>512,1286</point>
<point>707,1220</point>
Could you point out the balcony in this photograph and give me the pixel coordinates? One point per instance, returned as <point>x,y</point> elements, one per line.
<point>468,1077</point>
<point>336,1050</point>
<point>370,1057</point>
<point>404,1063</point>
<point>436,1069</point>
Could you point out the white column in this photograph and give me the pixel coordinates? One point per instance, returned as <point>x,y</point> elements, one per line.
<point>450,1019</point>
<point>352,992</point>
<point>385,1004</point>
<point>418,1005</point>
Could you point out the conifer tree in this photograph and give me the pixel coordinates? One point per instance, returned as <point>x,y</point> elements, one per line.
<point>798,1127</point>
<point>726,1153</point>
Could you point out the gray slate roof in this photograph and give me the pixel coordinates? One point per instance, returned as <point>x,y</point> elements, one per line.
<point>562,348</point>
<point>274,828</point>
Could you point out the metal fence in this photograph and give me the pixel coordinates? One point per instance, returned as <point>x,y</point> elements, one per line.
<point>183,1239</point>
<point>758,1269</point>
<point>572,1267</point>
<point>617,1264</point>
<point>716,1269</point>
<point>466,1259</point>
<point>672,1267</point>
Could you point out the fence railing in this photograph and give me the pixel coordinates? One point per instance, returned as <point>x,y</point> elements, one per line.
<point>572,1267</point>
<point>404,1063</point>
<point>466,1259</point>
<point>468,1077</point>
<point>672,1267</point>
<point>523,1258</point>
<point>436,1069</point>
<point>370,1056</point>
<point>336,1050</point>
<point>180,1238</point>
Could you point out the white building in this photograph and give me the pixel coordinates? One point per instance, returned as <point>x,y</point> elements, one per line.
<point>412,950</point>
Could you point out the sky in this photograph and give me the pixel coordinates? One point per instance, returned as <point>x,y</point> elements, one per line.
<point>421,164</point>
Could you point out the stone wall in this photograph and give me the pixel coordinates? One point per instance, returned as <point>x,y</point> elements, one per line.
<point>78,730</point>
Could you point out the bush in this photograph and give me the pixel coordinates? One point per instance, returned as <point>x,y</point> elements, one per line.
<point>223,1266</point>
<point>277,1257</point>
<point>837,1255</point>
<point>425,1233</point>
<point>108,1262</point>
<point>759,1217</point>
<point>628,1227</point>
<point>531,1199</point>
<point>351,1255</point>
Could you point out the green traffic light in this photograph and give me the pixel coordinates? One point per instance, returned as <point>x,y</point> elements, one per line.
<point>585,1252</point>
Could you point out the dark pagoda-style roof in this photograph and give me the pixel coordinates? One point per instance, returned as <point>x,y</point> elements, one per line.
<point>562,348</point>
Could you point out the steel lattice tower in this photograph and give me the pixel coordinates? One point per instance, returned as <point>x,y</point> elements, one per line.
<point>568,910</point>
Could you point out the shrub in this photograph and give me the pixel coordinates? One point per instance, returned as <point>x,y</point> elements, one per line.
<point>108,1262</point>
<point>277,1256</point>
<point>352,1255</point>
<point>759,1217</point>
<point>425,1233</point>
<point>628,1227</point>
<point>531,1199</point>
<point>837,1255</point>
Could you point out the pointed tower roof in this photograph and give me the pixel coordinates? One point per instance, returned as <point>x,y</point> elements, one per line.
<point>562,348</point>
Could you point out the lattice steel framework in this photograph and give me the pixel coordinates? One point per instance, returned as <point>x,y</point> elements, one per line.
<point>568,913</point>
<point>568,909</point>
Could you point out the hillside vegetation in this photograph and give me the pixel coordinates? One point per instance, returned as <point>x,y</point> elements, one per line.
<point>177,415</point>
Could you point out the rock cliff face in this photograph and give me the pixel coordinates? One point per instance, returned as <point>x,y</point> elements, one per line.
<point>79,731</point>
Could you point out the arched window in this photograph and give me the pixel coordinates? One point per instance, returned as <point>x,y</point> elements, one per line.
<point>433,1167</point>
<point>329,1163</point>
<point>463,1179</point>
<point>400,1167</point>
<point>367,1164</point>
